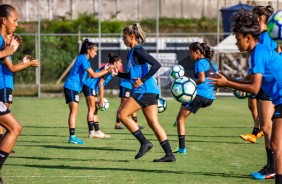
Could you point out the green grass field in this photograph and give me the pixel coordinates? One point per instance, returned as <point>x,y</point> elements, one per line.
<point>216,154</point>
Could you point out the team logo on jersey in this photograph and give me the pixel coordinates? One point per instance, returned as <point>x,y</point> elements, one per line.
<point>10,98</point>
<point>127,94</point>
<point>3,108</point>
<point>76,98</point>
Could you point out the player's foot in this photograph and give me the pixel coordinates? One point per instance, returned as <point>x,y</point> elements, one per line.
<point>260,134</point>
<point>175,124</point>
<point>12,152</point>
<point>140,126</point>
<point>98,134</point>
<point>119,127</point>
<point>166,158</point>
<point>264,173</point>
<point>180,150</point>
<point>144,149</point>
<point>75,140</point>
<point>249,137</point>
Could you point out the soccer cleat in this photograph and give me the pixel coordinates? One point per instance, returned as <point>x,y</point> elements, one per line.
<point>175,124</point>
<point>260,134</point>
<point>144,149</point>
<point>98,134</point>
<point>264,173</point>
<point>180,150</point>
<point>249,137</point>
<point>166,158</point>
<point>140,126</point>
<point>75,140</point>
<point>119,127</point>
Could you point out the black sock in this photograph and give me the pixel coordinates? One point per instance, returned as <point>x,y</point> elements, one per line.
<point>166,147</point>
<point>270,158</point>
<point>96,126</point>
<point>72,131</point>
<point>278,178</point>
<point>117,119</point>
<point>135,119</point>
<point>1,136</point>
<point>140,136</point>
<point>3,157</point>
<point>90,125</point>
<point>255,131</point>
<point>181,140</point>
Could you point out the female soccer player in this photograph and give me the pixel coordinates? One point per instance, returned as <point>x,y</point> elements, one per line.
<point>145,93</point>
<point>74,83</point>
<point>91,87</point>
<point>8,20</point>
<point>202,54</point>
<point>265,73</point>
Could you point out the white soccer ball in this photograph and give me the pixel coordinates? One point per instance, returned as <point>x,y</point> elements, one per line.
<point>274,26</point>
<point>183,89</point>
<point>161,105</point>
<point>105,106</point>
<point>177,71</point>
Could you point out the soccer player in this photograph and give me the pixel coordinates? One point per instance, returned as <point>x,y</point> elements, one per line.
<point>8,20</point>
<point>265,73</point>
<point>73,85</point>
<point>145,93</point>
<point>91,88</point>
<point>202,54</point>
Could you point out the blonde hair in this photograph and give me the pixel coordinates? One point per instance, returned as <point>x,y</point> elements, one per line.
<point>137,30</point>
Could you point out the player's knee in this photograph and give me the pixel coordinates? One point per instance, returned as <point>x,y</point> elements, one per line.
<point>17,130</point>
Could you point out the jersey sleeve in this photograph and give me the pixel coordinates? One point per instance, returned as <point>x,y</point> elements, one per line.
<point>199,67</point>
<point>85,64</point>
<point>258,60</point>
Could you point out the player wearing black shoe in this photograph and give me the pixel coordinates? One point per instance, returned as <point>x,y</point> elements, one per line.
<point>145,92</point>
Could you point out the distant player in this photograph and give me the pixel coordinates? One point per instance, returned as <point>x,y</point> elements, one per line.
<point>266,75</point>
<point>202,54</point>
<point>145,93</point>
<point>73,85</point>
<point>91,88</point>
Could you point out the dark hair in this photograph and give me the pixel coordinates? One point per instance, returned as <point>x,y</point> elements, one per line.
<point>113,58</point>
<point>246,22</point>
<point>85,46</point>
<point>137,30</point>
<point>5,10</point>
<point>203,48</point>
<point>267,11</point>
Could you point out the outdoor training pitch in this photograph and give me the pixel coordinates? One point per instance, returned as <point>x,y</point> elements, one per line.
<point>216,154</point>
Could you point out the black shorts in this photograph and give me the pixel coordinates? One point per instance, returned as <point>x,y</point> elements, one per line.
<point>87,91</point>
<point>3,109</point>
<point>263,96</point>
<point>145,100</point>
<point>253,96</point>
<point>197,103</point>
<point>277,111</point>
<point>71,96</point>
<point>124,92</point>
<point>6,95</point>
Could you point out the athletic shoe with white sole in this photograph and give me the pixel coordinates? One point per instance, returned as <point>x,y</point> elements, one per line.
<point>75,140</point>
<point>264,173</point>
<point>98,134</point>
<point>180,150</point>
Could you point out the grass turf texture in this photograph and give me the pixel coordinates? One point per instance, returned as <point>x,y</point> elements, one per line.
<point>216,154</point>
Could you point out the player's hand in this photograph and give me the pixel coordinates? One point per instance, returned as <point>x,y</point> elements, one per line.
<point>9,50</point>
<point>16,40</point>
<point>32,62</point>
<point>101,102</point>
<point>107,66</point>
<point>138,82</point>
<point>218,80</point>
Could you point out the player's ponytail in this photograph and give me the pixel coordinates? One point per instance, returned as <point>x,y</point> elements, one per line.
<point>137,30</point>
<point>266,11</point>
<point>113,58</point>
<point>86,45</point>
<point>203,48</point>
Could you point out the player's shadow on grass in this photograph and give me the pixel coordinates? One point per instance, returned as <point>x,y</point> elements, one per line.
<point>64,167</point>
<point>41,127</point>
<point>68,159</point>
<point>75,147</point>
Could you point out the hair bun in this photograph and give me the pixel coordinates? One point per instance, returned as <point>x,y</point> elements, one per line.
<point>110,55</point>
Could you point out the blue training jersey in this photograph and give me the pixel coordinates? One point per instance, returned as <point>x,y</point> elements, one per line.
<point>138,71</point>
<point>204,89</point>
<point>126,83</point>
<point>2,46</point>
<point>266,61</point>
<point>264,38</point>
<point>93,83</point>
<point>78,73</point>
<point>8,76</point>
